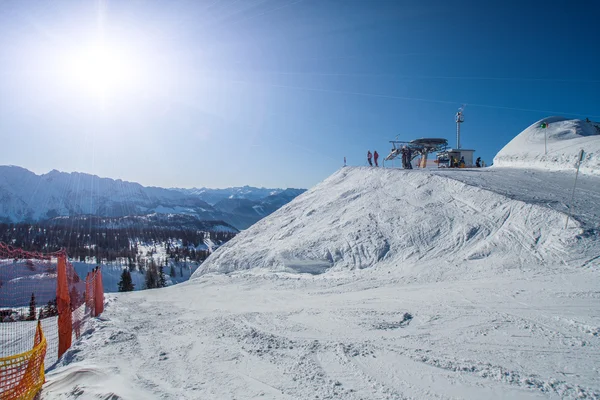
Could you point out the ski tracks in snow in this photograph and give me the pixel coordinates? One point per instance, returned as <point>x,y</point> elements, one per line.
<point>245,336</point>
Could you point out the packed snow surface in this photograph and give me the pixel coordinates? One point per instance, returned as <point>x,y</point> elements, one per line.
<point>555,147</point>
<point>375,284</point>
<point>431,225</point>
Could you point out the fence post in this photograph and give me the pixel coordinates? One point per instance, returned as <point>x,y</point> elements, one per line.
<point>98,292</point>
<point>579,159</point>
<point>63,301</point>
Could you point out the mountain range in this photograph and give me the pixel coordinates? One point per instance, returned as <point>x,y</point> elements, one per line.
<point>28,197</point>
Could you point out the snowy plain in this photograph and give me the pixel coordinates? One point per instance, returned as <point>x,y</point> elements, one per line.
<point>374,284</point>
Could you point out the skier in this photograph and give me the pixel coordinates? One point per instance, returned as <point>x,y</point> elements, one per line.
<point>344,161</point>
<point>376,157</point>
<point>404,157</point>
<point>369,155</point>
<point>409,159</point>
<point>462,162</point>
<point>478,162</point>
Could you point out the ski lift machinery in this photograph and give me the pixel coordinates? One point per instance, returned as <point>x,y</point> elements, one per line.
<point>422,147</point>
<point>419,147</point>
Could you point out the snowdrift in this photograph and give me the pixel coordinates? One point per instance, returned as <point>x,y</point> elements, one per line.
<point>426,223</point>
<point>565,138</point>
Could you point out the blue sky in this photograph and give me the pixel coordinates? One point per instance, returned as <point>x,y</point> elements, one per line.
<point>275,93</point>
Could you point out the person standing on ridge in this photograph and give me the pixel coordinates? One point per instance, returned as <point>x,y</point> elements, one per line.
<point>478,162</point>
<point>344,161</point>
<point>376,157</point>
<point>369,155</point>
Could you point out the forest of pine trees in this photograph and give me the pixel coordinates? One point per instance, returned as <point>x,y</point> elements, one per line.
<point>108,244</point>
<point>155,277</point>
<point>14,315</point>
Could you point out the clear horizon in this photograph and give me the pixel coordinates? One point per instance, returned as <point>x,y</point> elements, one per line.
<point>275,93</point>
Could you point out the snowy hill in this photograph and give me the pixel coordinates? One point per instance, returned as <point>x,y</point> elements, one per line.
<point>430,224</point>
<point>27,197</point>
<point>375,284</point>
<point>564,137</point>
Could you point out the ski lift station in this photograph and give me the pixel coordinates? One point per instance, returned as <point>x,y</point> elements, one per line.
<point>420,149</point>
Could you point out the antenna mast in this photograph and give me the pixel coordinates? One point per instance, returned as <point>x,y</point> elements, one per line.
<point>460,118</point>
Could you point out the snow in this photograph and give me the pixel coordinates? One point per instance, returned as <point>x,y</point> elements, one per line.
<point>432,225</point>
<point>564,137</point>
<point>243,336</point>
<point>375,284</point>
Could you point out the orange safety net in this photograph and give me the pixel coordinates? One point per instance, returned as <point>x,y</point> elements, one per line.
<point>22,375</point>
<point>94,298</point>
<point>63,301</point>
<point>41,292</point>
<point>99,293</point>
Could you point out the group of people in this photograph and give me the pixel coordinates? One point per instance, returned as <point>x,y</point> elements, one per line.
<point>407,154</point>
<point>456,163</point>
<point>374,157</point>
<point>406,157</point>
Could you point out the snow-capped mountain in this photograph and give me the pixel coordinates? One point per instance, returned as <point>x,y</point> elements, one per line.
<point>25,196</point>
<point>213,196</point>
<point>262,207</point>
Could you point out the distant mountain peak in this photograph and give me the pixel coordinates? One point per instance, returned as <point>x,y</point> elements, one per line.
<point>28,197</point>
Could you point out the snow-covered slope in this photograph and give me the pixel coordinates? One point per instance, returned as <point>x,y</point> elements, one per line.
<point>564,139</point>
<point>459,284</point>
<point>428,224</point>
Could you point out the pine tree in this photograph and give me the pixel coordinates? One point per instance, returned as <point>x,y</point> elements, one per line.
<point>126,283</point>
<point>49,310</point>
<point>150,280</point>
<point>152,276</point>
<point>172,272</point>
<point>32,312</point>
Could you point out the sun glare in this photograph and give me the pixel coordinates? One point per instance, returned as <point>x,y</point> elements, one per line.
<point>101,69</point>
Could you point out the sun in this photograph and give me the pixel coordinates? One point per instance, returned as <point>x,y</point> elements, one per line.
<point>101,69</point>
